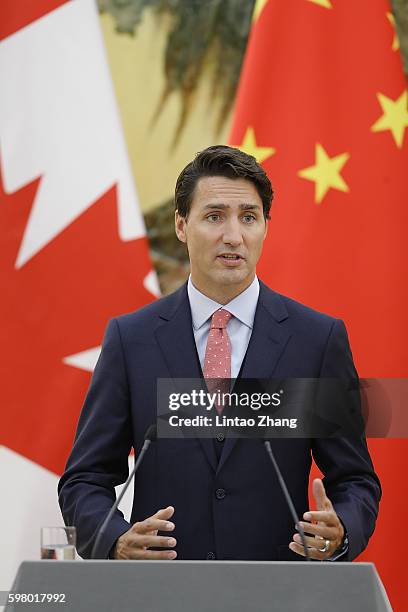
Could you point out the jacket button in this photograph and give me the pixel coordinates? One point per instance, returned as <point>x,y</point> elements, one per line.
<point>210,556</point>
<point>220,493</point>
<point>220,437</point>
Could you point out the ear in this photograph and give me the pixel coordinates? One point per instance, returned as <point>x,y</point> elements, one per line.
<point>266,228</point>
<point>180,226</point>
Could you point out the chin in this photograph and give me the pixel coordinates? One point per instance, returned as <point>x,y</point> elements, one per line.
<point>231,277</point>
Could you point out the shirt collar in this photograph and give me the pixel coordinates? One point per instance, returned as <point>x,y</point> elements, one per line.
<point>242,307</point>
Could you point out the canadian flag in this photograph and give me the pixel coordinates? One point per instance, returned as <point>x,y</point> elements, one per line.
<point>73,251</point>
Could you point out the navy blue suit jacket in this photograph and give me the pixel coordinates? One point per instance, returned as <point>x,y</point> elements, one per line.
<point>252,520</point>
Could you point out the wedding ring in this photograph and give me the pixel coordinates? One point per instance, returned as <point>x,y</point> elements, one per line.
<point>326,546</point>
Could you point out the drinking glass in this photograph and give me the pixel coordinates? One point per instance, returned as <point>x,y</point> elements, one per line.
<point>58,543</point>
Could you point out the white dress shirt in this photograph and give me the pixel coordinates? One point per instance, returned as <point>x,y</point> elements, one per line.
<point>239,327</point>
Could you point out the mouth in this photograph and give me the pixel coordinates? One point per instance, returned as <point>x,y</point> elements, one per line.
<point>230,259</point>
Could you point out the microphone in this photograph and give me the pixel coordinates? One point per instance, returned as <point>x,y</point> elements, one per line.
<point>287,497</point>
<point>150,436</point>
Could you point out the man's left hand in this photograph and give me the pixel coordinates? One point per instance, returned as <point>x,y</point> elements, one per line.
<point>326,532</point>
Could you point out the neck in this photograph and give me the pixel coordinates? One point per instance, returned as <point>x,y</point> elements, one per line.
<point>222,294</point>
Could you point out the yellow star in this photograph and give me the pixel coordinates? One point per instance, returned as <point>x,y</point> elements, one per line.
<point>325,3</point>
<point>395,42</point>
<point>249,146</point>
<point>395,117</point>
<point>258,8</point>
<point>325,173</point>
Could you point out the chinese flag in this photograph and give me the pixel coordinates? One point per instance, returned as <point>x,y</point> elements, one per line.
<point>322,104</point>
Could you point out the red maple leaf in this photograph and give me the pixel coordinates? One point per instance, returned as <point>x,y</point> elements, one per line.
<point>54,306</point>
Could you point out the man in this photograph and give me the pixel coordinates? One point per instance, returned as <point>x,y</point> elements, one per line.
<point>216,498</point>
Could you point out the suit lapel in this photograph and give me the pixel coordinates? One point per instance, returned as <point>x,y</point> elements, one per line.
<point>266,346</point>
<point>176,341</point>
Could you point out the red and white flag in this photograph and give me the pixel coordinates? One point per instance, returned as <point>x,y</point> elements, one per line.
<point>73,251</point>
<point>322,103</point>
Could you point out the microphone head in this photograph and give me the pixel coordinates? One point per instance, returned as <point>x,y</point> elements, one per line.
<point>151,433</point>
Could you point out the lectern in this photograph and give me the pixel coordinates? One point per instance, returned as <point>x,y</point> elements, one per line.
<point>202,586</point>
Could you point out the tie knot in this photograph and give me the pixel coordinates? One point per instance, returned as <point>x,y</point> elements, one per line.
<point>220,319</point>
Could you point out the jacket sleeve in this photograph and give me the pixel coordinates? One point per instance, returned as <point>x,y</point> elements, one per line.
<point>99,459</point>
<point>349,477</point>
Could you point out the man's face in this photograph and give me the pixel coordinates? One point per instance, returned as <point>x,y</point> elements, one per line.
<point>224,233</point>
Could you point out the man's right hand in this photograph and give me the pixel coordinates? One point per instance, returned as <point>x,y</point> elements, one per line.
<point>135,543</point>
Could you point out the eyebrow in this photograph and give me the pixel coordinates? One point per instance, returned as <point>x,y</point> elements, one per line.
<point>224,206</point>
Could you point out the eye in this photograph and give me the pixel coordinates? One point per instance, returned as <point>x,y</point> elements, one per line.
<point>249,218</point>
<point>214,217</point>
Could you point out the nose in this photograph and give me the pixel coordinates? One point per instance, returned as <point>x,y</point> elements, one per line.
<point>232,233</point>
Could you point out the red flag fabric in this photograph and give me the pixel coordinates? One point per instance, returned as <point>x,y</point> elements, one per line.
<point>322,103</point>
<point>73,251</point>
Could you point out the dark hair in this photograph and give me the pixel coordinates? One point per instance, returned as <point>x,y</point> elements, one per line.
<point>221,160</point>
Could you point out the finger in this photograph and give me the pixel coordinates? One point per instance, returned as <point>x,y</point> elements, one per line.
<point>164,513</point>
<point>158,554</point>
<point>149,541</point>
<point>313,553</point>
<point>326,516</point>
<point>152,524</point>
<point>324,531</point>
<point>140,553</point>
<point>311,542</point>
<point>319,493</point>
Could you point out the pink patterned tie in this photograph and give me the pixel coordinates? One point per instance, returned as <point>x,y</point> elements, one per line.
<point>217,362</point>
